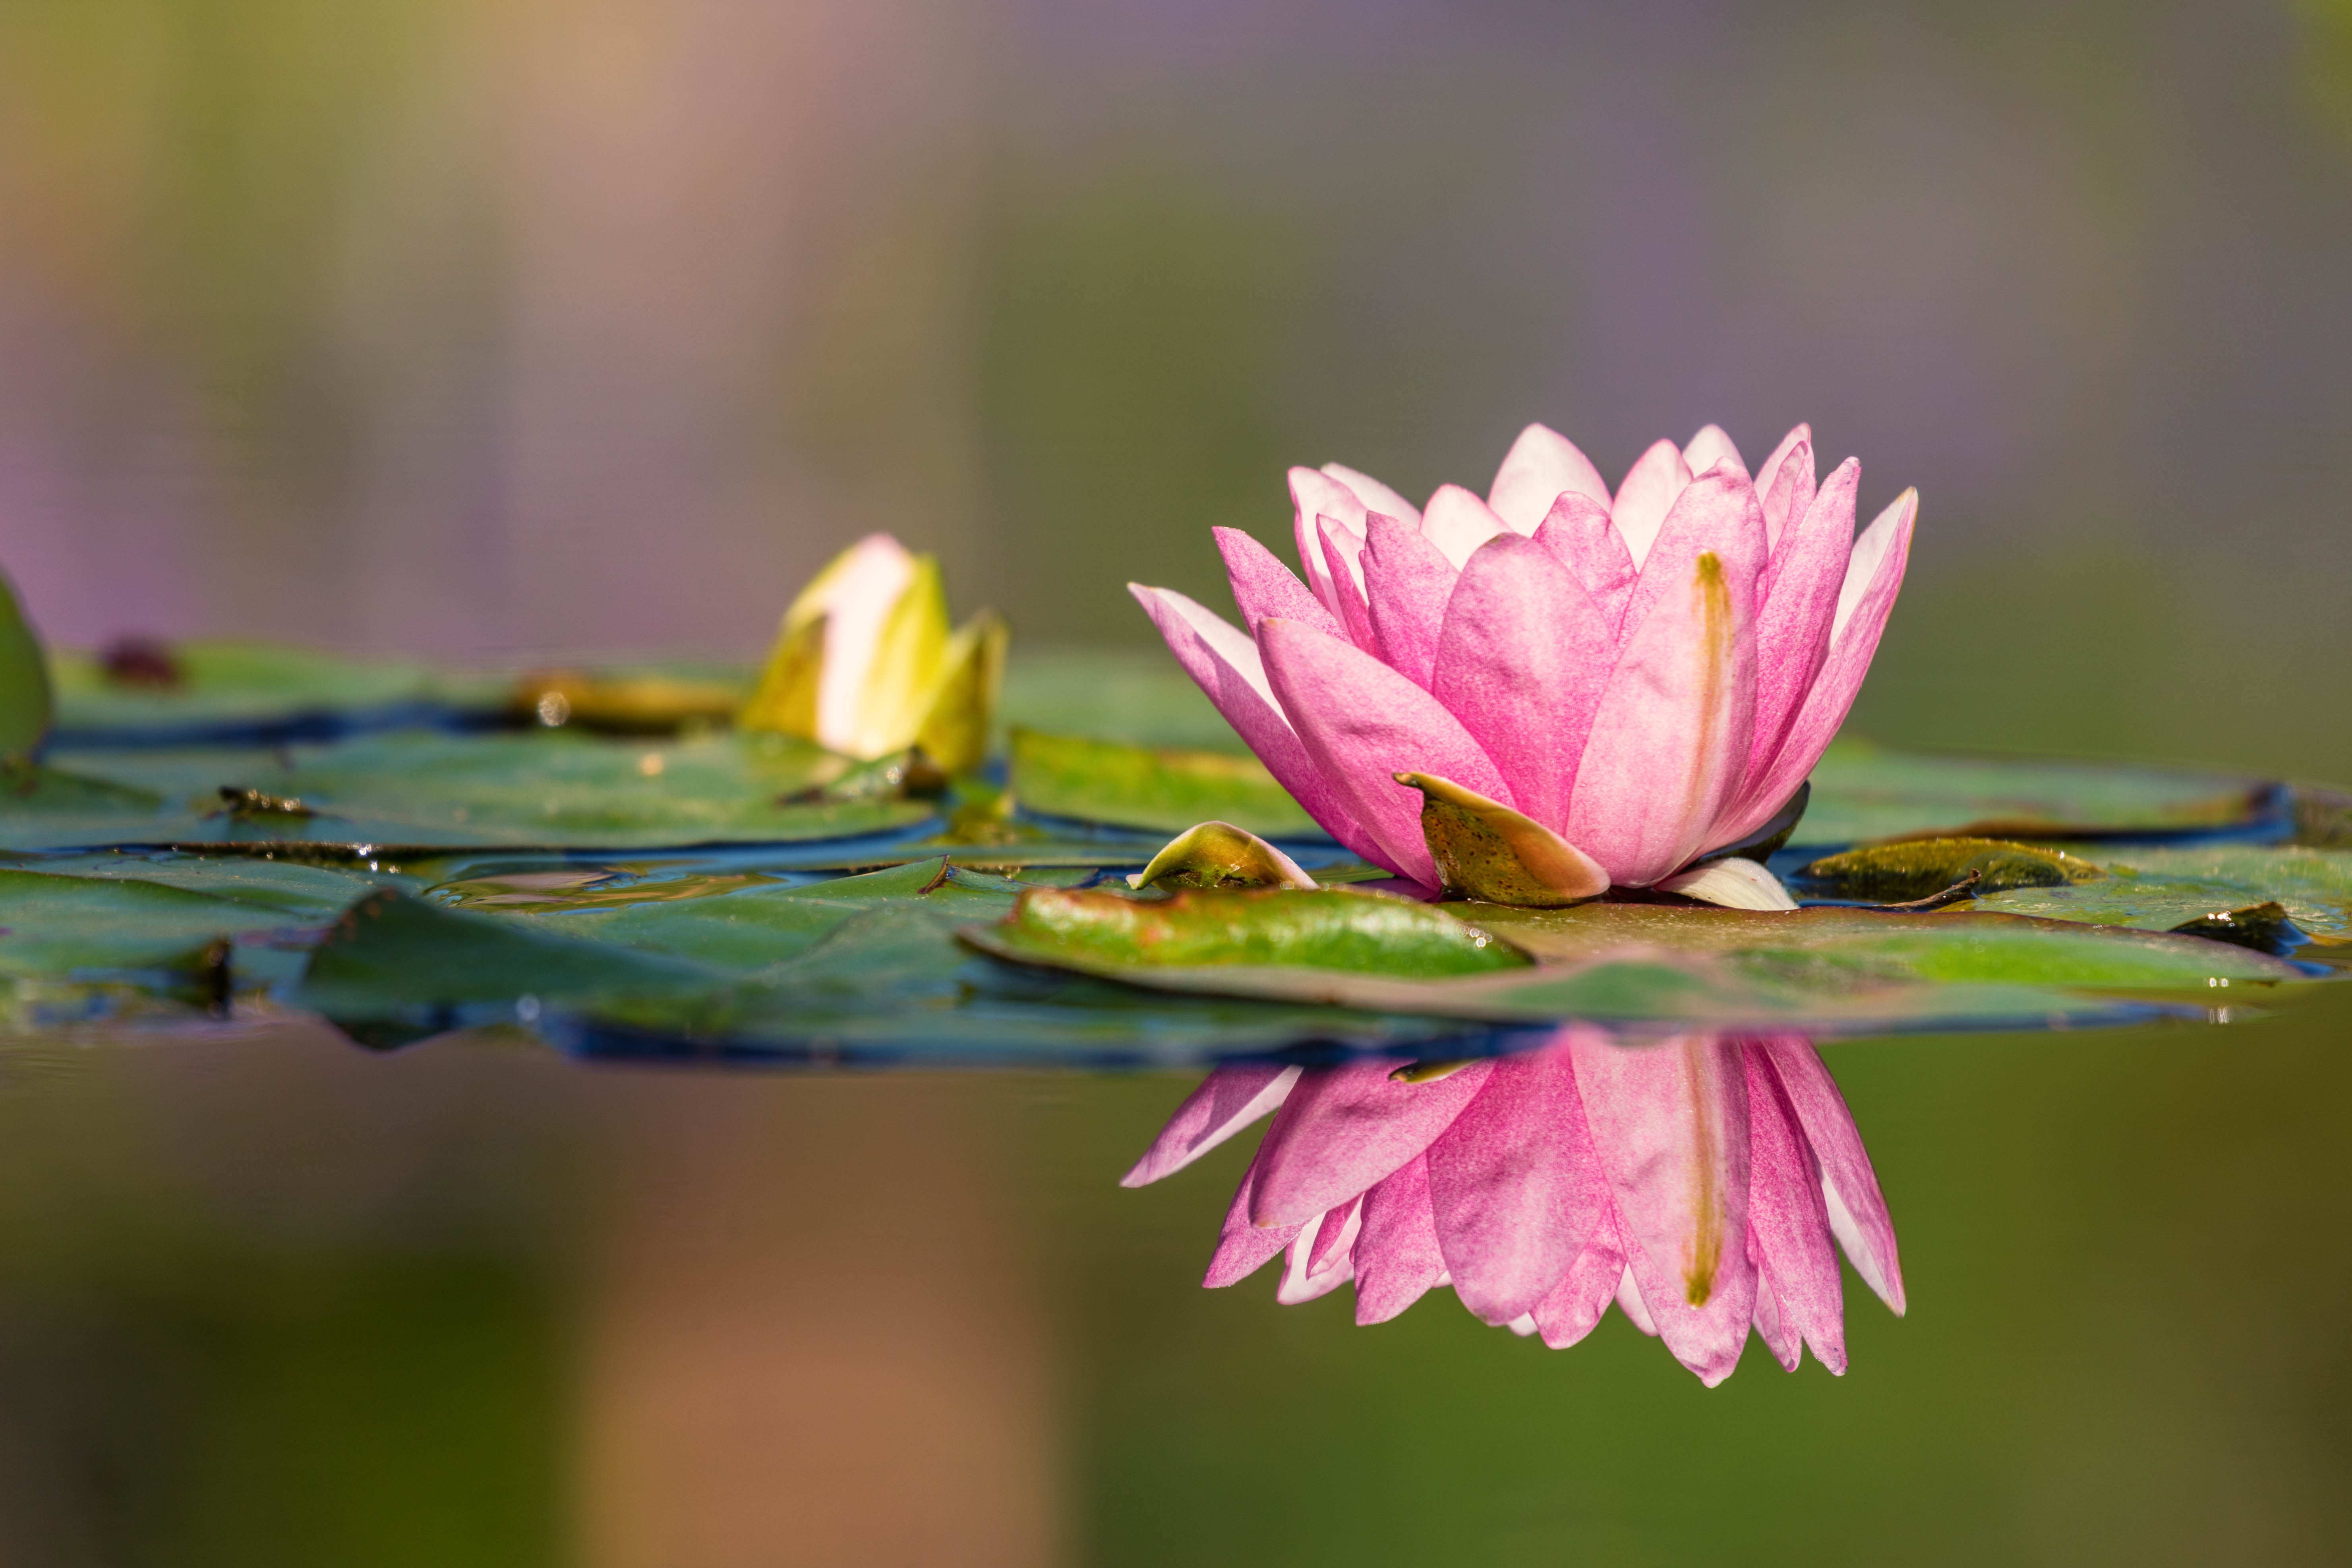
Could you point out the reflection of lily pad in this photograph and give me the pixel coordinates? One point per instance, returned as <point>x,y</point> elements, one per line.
<point>1861,793</point>
<point>1163,789</point>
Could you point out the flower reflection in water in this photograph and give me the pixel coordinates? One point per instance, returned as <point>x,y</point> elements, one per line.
<point>1697,1183</point>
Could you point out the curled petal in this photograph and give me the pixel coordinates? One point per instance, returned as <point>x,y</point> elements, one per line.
<point>1229,1100</point>
<point>1515,1187</point>
<point>1243,1248</point>
<point>1375,496</point>
<point>1629,1293</point>
<point>1522,661</point>
<point>1344,1129</point>
<point>1670,1125</point>
<point>1225,665</point>
<point>1709,447</point>
<point>1458,523</point>
<point>1362,724</point>
<point>1652,486</point>
<point>1789,1227</point>
<point>1793,628</point>
<point>1264,586</point>
<point>1670,740</point>
<point>1850,1193</point>
<point>1541,465</point>
<point>1408,583</point>
<point>1733,882</point>
<point>1397,1256</point>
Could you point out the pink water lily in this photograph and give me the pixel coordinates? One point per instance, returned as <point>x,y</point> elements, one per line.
<point>1650,675</point>
<point>1698,1184</point>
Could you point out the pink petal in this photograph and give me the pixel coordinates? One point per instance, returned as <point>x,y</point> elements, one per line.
<point>1669,743</point>
<point>1344,1129</point>
<point>1523,659</point>
<point>1541,465</point>
<point>1243,1248</point>
<point>1458,523</point>
<point>1651,486</point>
<point>1363,723</point>
<point>1874,577</point>
<point>1579,531</point>
<point>1375,496</point>
<point>1319,1259</point>
<point>1856,1209</point>
<point>1771,1325</point>
<point>1575,1305</point>
<point>1315,494</point>
<point>1341,551</point>
<point>1789,1227</point>
<point>1227,1100</point>
<point>1408,583</point>
<point>1516,1188</point>
<point>1225,665</point>
<point>1670,1124</point>
<point>1264,586</point>
<point>1397,1258</point>
<point>1786,482</point>
<point>1629,1293</point>
<point>1792,630</point>
<point>1711,446</point>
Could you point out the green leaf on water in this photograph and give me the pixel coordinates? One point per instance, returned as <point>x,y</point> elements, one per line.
<point>1160,788</point>
<point>1863,793</point>
<point>2159,888</point>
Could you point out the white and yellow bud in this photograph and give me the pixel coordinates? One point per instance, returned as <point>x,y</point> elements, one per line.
<point>867,664</point>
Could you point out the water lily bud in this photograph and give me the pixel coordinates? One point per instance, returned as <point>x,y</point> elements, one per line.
<point>26,705</point>
<point>1612,688</point>
<point>867,665</point>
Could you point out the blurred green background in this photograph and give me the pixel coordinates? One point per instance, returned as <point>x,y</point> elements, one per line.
<point>508,328</point>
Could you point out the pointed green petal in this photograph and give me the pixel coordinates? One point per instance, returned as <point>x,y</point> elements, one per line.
<point>955,733</point>
<point>25,707</point>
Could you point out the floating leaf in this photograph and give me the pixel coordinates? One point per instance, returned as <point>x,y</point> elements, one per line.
<point>250,691</point>
<point>624,702</point>
<point>1863,793</point>
<point>2157,888</point>
<point>1920,868</point>
<point>1485,850</point>
<point>1326,929</point>
<point>1159,788</point>
<point>415,789</point>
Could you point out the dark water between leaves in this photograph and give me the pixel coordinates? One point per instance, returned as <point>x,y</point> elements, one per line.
<point>265,1297</point>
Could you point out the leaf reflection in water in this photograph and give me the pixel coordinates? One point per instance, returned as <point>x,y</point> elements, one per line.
<point>1697,1183</point>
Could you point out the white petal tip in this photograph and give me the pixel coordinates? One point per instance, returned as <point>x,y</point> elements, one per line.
<point>1733,883</point>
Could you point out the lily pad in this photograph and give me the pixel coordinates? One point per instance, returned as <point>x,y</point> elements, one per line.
<point>1921,868</point>
<point>1163,789</point>
<point>1325,929</point>
<point>1863,793</point>
<point>2157,888</point>
<point>412,790</point>
<point>1833,970</point>
<point>237,691</point>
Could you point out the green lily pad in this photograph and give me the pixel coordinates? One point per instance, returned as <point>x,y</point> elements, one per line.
<point>1863,793</point>
<point>1835,971</point>
<point>2157,888</point>
<point>1163,789</point>
<point>411,790</point>
<point>220,686</point>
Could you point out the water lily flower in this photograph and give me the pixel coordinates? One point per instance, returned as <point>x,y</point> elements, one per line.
<point>866,663</point>
<point>1696,1183</point>
<point>1646,675</point>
